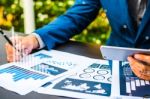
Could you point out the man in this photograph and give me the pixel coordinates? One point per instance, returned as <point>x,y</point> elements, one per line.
<point>129,19</point>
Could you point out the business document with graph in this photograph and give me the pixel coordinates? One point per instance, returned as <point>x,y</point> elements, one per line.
<point>64,74</point>
<point>37,69</point>
<point>100,79</point>
<point>130,84</point>
<point>92,80</point>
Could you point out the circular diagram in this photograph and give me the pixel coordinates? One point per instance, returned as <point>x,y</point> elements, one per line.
<point>102,72</point>
<point>109,79</point>
<point>99,77</point>
<point>89,70</point>
<point>85,75</point>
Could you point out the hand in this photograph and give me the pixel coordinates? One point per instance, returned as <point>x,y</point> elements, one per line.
<point>140,65</point>
<point>24,46</point>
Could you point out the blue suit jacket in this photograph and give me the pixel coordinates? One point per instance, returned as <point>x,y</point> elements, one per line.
<point>83,12</point>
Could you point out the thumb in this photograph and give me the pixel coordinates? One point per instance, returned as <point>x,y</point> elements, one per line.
<point>27,51</point>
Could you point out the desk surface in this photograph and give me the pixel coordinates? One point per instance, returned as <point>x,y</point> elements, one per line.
<point>71,47</point>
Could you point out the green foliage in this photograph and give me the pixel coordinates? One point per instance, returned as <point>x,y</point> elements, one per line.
<point>11,14</point>
<point>48,10</point>
<point>97,32</point>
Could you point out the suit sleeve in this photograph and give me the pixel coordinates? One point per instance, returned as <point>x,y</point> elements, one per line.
<point>77,18</point>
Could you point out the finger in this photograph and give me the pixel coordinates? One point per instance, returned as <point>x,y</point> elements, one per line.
<point>8,48</point>
<point>12,54</point>
<point>16,43</point>
<point>13,58</point>
<point>136,70</point>
<point>142,57</point>
<point>27,51</point>
<point>137,73</point>
<point>140,66</point>
<point>20,47</point>
<point>141,75</point>
<point>9,51</point>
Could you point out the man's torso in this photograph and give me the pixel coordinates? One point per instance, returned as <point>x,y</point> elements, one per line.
<point>124,31</point>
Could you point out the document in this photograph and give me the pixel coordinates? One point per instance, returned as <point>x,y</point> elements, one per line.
<point>93,80</point>
<point>130,84</point>
<point>64,74</point>
<point>21,80</point>
<point>100,79</point>
<point>37,69</point>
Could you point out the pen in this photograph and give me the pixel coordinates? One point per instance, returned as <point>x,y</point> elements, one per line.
<point>5,36</point>
<point>8,40</point>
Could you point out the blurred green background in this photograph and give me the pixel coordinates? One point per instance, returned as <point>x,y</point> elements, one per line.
<point>11,14</point>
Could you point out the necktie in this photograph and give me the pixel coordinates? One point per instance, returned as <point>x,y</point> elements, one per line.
<point>137,9</point>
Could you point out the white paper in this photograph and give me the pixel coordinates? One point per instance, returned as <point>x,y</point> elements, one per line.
<point>21,80</point>
<point>92,81</point>
<point>64,74</point>
<point>37,69</point>
<point>124,84</point>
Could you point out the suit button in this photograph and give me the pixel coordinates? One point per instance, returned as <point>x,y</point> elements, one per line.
<point>146,37</point>
<point>124,28</point>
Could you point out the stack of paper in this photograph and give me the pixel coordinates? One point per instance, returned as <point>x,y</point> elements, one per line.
<point>64,74</point>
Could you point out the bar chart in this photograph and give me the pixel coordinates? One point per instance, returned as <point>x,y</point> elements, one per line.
<point>130,85</point>
<point>48,69</point>
<point>21,80</point>
<point>42,56</point>
<point>19,73</point>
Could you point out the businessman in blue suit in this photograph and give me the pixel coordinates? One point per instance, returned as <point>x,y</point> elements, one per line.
<point>129,19</point>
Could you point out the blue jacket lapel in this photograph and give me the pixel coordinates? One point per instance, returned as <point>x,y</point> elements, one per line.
<point>128,18</point>
<point>144,21</point>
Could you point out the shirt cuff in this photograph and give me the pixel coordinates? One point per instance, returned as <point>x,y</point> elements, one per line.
<point>41,43</point>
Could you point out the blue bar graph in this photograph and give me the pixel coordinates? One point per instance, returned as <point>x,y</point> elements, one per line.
<point>19,73</point>
<point>100,66</point>
<point>48,69</point>
<point>130,84</point>
<point>41,56</point>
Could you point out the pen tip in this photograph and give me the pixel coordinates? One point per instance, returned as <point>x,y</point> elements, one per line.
<point>1,31</point>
